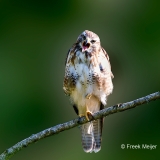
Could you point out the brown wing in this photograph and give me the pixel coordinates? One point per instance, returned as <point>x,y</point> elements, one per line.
<point>70,76</point>
<point>105,53</point>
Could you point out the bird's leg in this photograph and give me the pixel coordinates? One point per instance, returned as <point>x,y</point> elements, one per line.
<point>88,114</point>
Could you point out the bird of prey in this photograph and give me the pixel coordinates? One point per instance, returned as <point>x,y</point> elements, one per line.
<point>88,82</point>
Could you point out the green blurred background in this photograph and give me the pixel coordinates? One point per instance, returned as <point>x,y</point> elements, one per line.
<point>34,39</point>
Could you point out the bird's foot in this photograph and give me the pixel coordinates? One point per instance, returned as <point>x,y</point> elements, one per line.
<point>88,96</point>
<point>89,115</point>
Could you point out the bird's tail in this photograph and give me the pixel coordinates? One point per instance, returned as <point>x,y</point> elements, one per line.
<point>91,136</point>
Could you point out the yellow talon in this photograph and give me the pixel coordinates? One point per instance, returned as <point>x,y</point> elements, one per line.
<point>88,116</point>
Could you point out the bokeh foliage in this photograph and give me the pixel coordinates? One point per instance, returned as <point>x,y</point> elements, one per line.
<point>34,39</point>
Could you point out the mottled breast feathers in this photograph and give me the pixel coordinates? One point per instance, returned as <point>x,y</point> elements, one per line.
<point>73,59</point>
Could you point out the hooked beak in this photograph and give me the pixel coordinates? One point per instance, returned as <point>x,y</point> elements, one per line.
<point>85,45</point>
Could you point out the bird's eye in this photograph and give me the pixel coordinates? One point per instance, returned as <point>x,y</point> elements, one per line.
<point>84,37</point>
<point>93,41</point>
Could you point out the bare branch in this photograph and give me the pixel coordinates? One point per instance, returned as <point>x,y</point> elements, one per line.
<point>76,122</point>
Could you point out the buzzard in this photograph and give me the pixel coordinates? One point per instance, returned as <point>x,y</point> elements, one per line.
<point>88,83</point>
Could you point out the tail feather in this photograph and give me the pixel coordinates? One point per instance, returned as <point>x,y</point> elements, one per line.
<point>87,137</point>
<point>91,136</point>
<point>97,133</point>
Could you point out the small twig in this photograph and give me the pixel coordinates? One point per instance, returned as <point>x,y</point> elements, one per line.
<point>76,122</point>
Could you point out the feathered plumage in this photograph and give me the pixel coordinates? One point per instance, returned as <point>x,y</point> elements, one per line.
<point>88,82</point>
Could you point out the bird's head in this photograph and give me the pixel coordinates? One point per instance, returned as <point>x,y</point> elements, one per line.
<point>88,41</point>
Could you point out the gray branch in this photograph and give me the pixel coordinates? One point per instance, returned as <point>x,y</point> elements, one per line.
<point>76,122</point>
